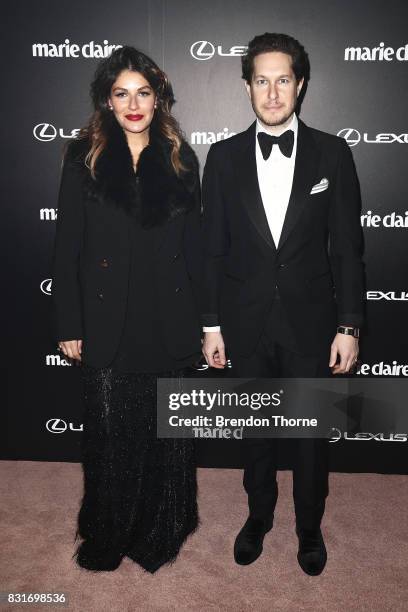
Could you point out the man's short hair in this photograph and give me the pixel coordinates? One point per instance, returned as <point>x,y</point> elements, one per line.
<point>264,43</point>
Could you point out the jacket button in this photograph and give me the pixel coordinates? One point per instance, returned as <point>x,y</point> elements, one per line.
<point>100,296</point>
<point>281,266</point>
<point>104,263</point>
<point>178,289</point>
<point>176,256</point>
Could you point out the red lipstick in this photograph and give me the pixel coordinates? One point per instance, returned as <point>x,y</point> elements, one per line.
<point>134,117</point>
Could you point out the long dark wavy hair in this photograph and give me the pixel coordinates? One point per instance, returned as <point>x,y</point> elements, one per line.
<point>163,123</point>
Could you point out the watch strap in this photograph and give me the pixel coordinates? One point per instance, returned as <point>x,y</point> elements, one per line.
<point>349,331</point>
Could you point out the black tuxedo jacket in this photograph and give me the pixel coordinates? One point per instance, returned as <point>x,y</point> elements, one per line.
<point>92,249</point>
<point>316,268</point>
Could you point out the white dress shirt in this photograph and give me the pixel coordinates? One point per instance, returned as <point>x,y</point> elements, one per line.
<point>275,178</point>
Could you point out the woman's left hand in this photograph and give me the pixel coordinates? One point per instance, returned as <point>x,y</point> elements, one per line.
<point>71,348</point>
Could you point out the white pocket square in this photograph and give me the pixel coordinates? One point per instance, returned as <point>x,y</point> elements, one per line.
<point>322,186</point>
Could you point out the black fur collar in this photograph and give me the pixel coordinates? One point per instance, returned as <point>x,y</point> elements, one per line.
<point>154,195</point>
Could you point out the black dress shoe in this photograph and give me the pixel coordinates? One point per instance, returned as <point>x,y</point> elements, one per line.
<point>312,554</point>
<point>93,557</point>
<point>249,542</point>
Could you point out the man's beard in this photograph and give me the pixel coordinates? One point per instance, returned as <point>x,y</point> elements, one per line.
<point>277,122</point>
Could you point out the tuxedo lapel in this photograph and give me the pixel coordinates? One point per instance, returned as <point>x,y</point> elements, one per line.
<point>306,166</point>
<point>247,180</point>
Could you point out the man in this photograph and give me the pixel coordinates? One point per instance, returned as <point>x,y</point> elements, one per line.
<point>283,281</point>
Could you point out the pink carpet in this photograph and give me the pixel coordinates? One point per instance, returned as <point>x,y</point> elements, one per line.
<point>365,528</point>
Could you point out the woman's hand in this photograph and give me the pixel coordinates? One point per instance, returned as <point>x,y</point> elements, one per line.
<point>71,348</point>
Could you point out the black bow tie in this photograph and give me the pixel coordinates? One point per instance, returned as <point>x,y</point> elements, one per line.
<point>284,141</point>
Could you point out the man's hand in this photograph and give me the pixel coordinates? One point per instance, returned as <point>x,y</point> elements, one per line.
<point>214,349</point>
<point>71,348</point>
<point>346,347</point>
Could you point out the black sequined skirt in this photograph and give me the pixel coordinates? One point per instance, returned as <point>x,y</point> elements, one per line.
<point>140,492</point>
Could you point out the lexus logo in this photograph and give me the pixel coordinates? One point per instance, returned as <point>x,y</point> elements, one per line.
<point>365,435</point>
<point>398,296</point>
<point>56,426</point>
<point>46,286</point>
<point>202,50</point>
<point>336,435</point>
<point>350,135</point>
<point>353,137</point>
<point>45,132</point>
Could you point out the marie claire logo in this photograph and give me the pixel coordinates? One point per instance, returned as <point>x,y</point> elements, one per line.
<point>337,435</point>
<point>205,138</point>
<point>394,296</point>
<point>389,220</point>
<point>353,137</point>
<point>57,360</point>
<point>376,54</point>
<point>46,286</point>
<point>204,50</point>
<point>48,214</point>
<point>203,366</point>
<point>45,132</point>
<point>383,369</point>
<point>68,49</point>
<point>59,426</point>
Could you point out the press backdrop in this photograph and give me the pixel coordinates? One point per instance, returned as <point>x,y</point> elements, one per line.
<point>358,89</point>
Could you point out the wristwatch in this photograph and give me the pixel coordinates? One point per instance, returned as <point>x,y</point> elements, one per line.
<point>349,331</point>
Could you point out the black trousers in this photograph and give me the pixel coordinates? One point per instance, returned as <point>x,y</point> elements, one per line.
<point>277,355</point>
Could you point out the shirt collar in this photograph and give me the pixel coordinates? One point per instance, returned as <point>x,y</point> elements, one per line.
<point>292,126</point>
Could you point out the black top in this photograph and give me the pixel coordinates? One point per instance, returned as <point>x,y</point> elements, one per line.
<point>92,253</point>
<point>141,347</point>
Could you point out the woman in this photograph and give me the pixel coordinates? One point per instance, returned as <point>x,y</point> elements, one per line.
<point>126,266</point>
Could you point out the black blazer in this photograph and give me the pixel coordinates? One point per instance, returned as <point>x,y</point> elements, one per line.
<point>316,269</point>
<point>92,246</point>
